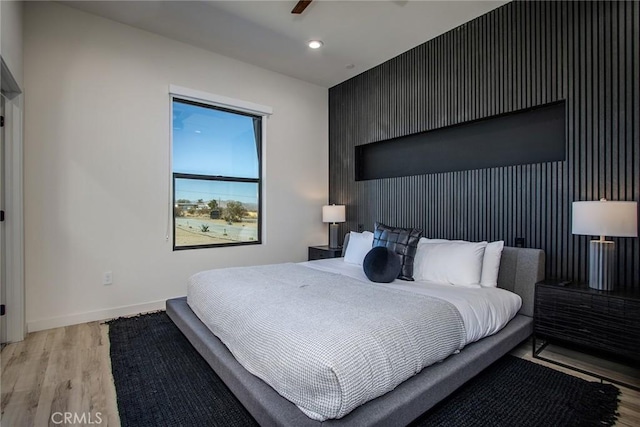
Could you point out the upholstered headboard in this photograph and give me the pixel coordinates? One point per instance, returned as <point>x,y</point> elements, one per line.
<point>520,270</point>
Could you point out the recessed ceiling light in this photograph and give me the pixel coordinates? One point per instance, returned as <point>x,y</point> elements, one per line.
<point>315,44</point>
<point>350,66</point>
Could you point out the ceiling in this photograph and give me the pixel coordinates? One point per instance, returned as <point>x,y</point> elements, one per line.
<point>357,35</point>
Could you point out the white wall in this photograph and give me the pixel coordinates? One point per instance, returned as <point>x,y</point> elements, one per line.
<point>11,36</point>
<point>97,164</point>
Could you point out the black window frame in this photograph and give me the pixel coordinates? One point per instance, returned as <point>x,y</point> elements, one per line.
<point>177,175</point>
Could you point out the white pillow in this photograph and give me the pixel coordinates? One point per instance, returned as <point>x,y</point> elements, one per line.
<point>490,262</point>
<point>456,263</point>
<point>358,247</point>
<point>424,240</point>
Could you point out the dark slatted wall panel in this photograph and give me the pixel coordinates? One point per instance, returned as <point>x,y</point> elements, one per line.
<point>518,56</point>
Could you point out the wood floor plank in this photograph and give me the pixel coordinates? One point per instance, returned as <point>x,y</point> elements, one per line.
<point>20,410</point>
<point>7,355</point>
<point>69,369</point>
<point>42,416</point>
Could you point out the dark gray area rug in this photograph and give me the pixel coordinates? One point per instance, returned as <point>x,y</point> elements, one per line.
<point>161,380</point>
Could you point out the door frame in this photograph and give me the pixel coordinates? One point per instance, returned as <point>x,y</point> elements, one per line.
<point>15,318</point>
<point>3,247</point>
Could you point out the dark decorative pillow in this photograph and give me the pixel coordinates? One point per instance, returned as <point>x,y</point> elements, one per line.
<point>403,241</point>
<point>381,265</point>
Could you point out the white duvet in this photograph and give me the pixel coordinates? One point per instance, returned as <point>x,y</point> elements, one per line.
<point>484,311</point>
<point>325,341</point>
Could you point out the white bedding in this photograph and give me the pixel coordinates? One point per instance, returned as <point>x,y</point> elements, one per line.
<point>484,311</point>
<point>326,342</point>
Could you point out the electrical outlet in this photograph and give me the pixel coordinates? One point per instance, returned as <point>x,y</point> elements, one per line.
<point>107,278</point>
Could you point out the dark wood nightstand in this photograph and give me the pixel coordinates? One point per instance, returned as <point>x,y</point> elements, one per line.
<point>595,322</point>
<point>324,252</point>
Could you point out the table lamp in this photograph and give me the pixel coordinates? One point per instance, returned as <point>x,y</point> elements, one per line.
<point>604,218</point>
<point>333,214</point>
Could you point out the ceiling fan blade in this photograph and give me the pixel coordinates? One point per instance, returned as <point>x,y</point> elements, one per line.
<point>301,6</point>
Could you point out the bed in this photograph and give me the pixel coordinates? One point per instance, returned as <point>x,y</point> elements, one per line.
<point>519,270</point>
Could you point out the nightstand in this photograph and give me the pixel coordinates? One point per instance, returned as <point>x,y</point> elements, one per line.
<point>597,322</point>
<point>324,252</point>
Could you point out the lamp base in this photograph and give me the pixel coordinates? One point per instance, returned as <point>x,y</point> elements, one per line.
<point>601,264</point>
<point>333,236</point>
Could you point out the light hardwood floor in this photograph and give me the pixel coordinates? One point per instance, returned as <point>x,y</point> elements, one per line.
<point>57,371</point>
<point>69,370</point>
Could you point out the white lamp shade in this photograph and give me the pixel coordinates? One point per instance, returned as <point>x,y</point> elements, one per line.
<point>333,213</point>
<point>605,218</point>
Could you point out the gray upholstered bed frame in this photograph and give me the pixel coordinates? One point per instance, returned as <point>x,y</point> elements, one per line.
<point>520,269</point>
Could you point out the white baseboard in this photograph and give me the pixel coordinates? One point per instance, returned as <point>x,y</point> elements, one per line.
<point>91,316</point>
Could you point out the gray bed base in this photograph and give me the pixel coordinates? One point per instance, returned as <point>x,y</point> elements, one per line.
<point>520,269</point>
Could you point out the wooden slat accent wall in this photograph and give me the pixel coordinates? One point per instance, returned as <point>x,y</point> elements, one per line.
<point>518,56</point>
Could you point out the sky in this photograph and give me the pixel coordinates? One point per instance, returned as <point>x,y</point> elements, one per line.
<point>214,142</point>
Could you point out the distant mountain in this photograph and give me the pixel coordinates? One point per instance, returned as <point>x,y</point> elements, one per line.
<point>248,206</point>
<point>223,204</point>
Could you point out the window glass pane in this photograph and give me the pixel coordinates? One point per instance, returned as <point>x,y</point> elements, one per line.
<point>208,141</point>
<point>209,212</point>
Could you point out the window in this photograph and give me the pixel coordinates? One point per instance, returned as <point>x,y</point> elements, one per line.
<point>217,175</point>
